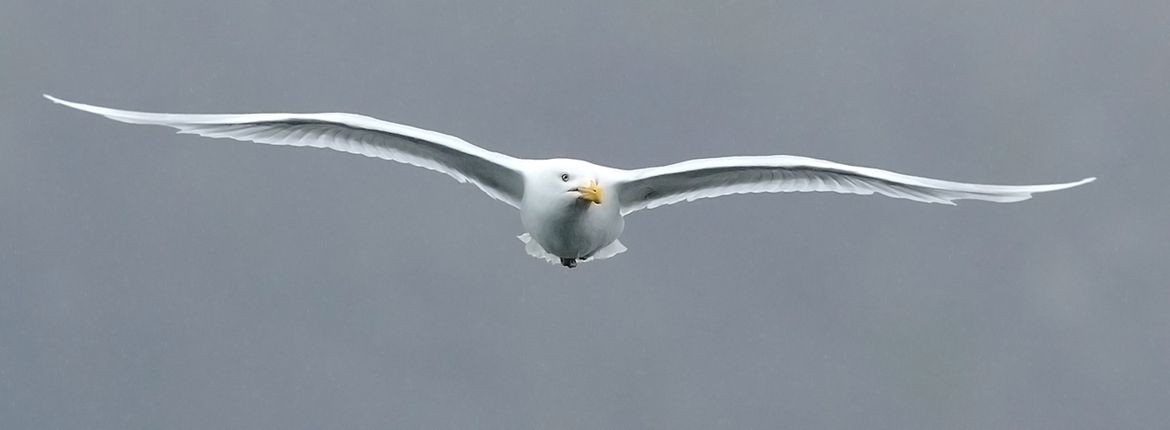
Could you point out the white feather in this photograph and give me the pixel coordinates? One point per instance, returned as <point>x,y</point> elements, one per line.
<point>548,206</point>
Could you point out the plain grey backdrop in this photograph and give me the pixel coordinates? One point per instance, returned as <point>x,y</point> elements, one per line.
<point>149,280</point>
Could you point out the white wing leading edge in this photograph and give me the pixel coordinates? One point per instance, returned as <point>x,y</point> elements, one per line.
<point>713,177</point>
<point>496,174</point>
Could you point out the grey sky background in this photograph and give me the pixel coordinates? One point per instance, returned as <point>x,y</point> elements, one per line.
<point>149,280</point>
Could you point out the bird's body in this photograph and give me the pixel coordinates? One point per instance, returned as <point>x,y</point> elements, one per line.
<point>565,225</point>
<point>573,210</point>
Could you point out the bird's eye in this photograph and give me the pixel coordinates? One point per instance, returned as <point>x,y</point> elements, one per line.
<point>564,177</point>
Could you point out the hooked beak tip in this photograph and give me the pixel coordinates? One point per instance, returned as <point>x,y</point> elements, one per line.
<point>591,193</point>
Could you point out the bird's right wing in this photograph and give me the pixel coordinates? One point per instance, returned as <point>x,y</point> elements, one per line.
<point>496,174</point>
<point>713,177</point>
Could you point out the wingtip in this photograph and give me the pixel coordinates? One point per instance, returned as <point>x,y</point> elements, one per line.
<point>1066,185</point>
<point>1077,183</point>
<point>61,101</point>
<point>79,106</point>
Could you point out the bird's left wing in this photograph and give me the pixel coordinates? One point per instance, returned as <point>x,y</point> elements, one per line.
<point>713,177</point>
<point>496,174</point>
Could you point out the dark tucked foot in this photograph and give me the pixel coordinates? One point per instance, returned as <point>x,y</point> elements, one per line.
<point>569,262</point>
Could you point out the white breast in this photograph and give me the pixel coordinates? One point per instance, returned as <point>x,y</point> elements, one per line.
<point>573,231</point>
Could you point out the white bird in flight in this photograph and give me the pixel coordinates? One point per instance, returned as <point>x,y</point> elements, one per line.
<point>573,210</point>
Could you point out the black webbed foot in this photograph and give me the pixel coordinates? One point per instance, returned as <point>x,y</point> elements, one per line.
<point>569,262</point>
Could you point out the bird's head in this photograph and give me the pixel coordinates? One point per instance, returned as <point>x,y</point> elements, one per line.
<point>570,181</point>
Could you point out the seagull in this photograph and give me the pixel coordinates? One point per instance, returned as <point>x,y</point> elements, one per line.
<point>572,210</point>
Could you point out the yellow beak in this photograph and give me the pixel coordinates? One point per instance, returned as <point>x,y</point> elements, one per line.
<point>591,193</point>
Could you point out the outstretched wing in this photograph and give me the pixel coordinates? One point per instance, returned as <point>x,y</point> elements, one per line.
<point>713,177</point>
<point>496,174</point>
